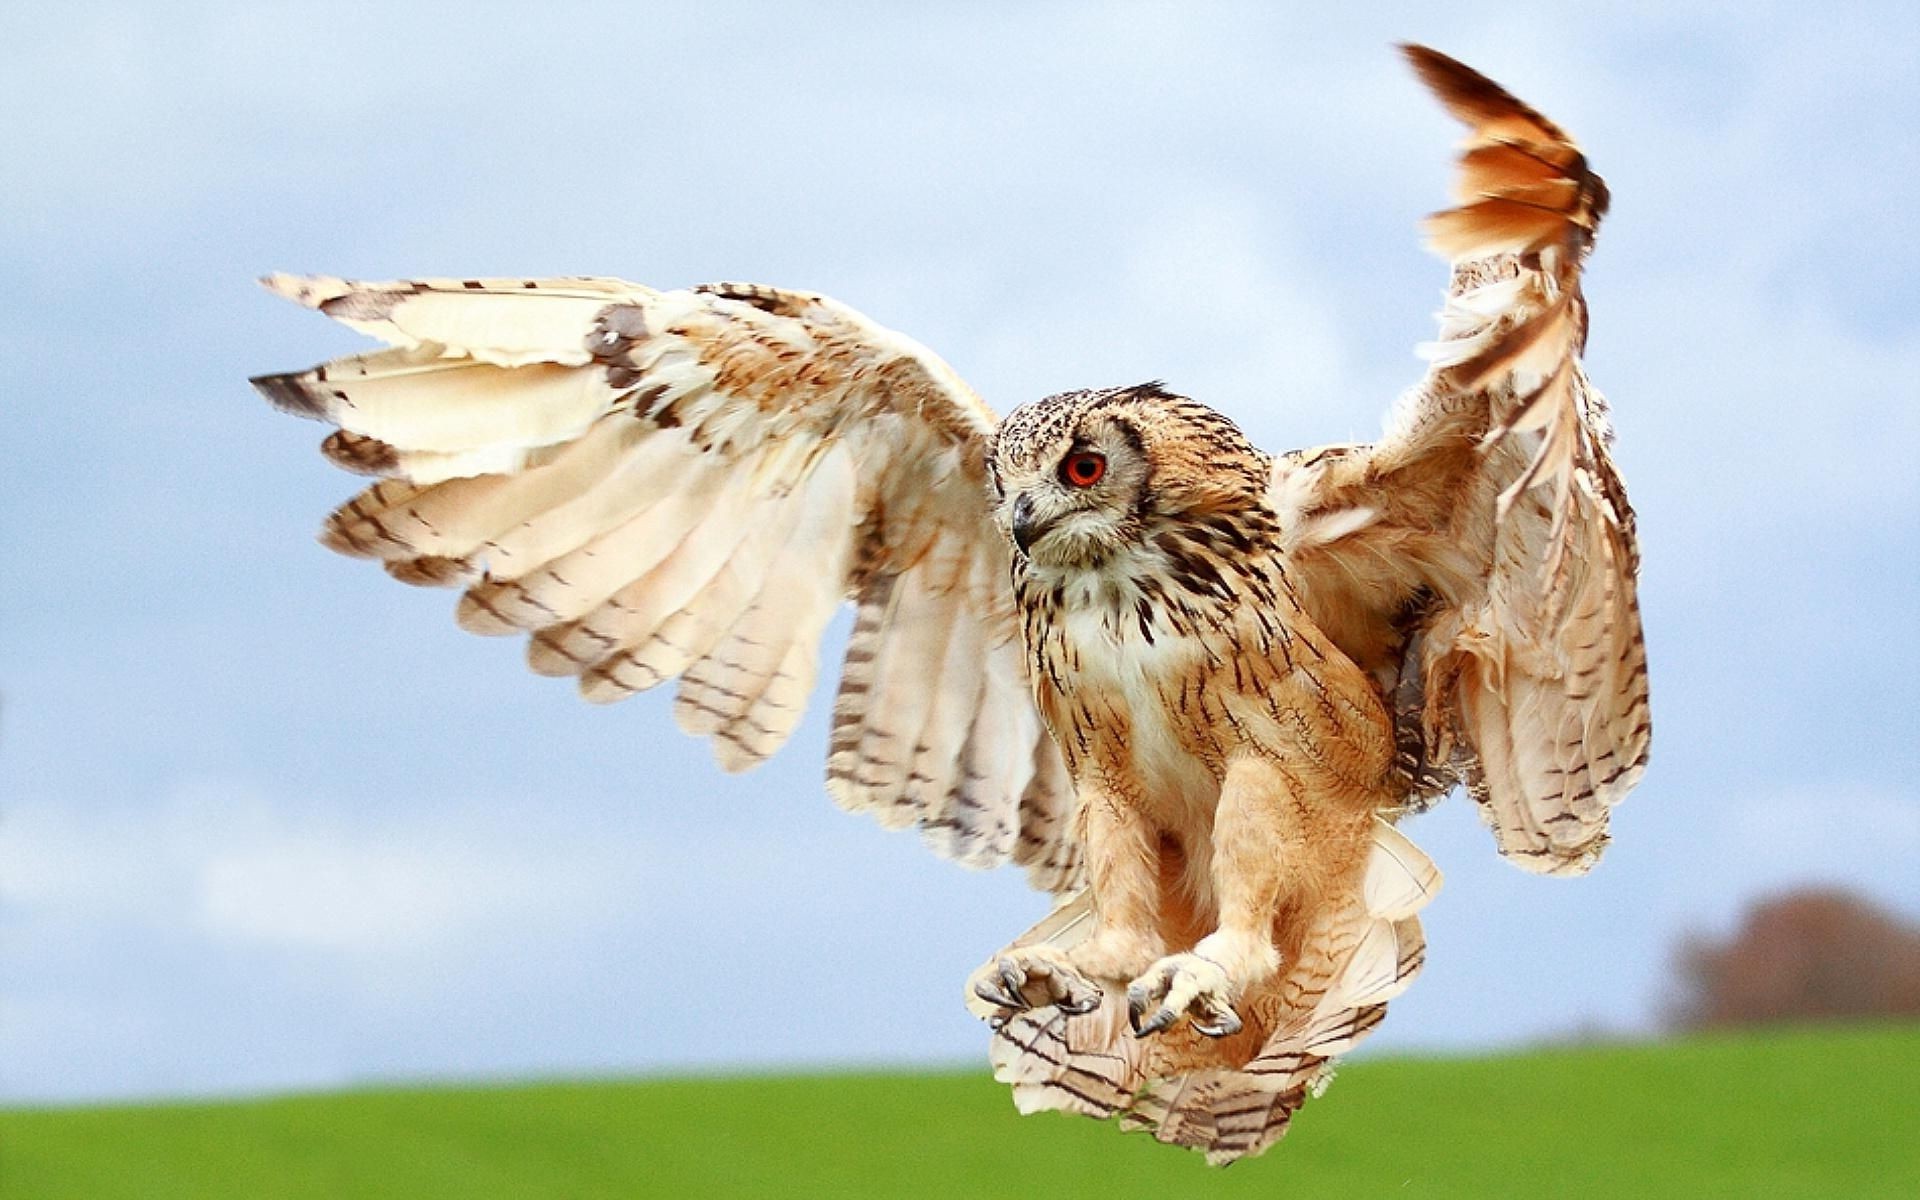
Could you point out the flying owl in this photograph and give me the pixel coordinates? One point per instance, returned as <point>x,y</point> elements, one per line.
<point>1187,685</point>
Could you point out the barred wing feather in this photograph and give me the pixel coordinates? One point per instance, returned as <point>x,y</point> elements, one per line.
<point>687,485</point>
<point>1488,535</point>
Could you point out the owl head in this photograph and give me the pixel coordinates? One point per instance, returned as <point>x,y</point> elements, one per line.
<point>1082,478</point>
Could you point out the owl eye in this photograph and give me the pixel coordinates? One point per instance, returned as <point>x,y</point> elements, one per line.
<point>1083,469</point>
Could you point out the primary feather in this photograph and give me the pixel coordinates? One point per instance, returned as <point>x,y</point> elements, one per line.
<point>687,484</point>
<point>1490,522</point>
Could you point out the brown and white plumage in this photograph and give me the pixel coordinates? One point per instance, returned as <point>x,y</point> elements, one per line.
<point>1489,528</point>
<point>1186,685</point>
<point>689,484</point>
<point>1233,1096</point>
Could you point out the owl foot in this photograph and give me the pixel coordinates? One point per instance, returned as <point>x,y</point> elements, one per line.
<point>1028,977</point>
<point>1183,985</point>
<point>1116,953</point>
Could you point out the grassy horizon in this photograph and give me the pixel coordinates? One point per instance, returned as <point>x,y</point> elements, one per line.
<point>1799,1112</point>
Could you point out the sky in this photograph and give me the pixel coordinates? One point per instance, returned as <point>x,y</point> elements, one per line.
<point>269,821</point>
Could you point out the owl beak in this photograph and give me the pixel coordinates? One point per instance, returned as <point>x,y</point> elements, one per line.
<point>1025,528</point>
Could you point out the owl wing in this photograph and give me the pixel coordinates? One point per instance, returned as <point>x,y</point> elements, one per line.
<point>686,485</point>
<point>1481,557</point>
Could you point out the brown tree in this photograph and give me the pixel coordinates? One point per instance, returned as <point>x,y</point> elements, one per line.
<point>1811,954</point>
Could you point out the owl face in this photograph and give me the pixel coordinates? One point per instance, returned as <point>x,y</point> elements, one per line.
<point>1072,478</point>
<point>1095,481</point>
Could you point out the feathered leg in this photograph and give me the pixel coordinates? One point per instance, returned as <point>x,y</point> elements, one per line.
<point>1276,853</point>
<point>1342,959</point>
<point>1123,873</point>
<point>1123,851</point>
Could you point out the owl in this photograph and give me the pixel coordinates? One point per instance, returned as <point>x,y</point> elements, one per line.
<point>1188,686</point>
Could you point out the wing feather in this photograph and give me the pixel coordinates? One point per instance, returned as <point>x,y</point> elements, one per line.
<point>418,398</point>
<point>935,764</point>
<point>505,322</point>
<point>875,727</point>
<point>748,692</point>
<point>1483,550</point>
<point>687,484</point>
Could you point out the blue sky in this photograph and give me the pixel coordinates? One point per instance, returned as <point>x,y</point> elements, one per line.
<point>268,820</point>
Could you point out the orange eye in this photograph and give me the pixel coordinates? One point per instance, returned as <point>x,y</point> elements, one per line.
<point>1084,469</point>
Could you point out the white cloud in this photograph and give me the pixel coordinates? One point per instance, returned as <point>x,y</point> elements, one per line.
<point>331,894</point>
<point>223,937</point>
<point>240,866</point>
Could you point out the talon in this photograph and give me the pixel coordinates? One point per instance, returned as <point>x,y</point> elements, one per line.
<point>1227,1025</point>
<point>1023,980</point>
<point>1183,985</point>
<point>1161,1020</point>
<point>1010,979</point>
<point>986,990</point>
<point>1013,979</point>
<point>1138,997</point>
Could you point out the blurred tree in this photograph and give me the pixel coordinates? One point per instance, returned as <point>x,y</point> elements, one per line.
<point>1811,954</point>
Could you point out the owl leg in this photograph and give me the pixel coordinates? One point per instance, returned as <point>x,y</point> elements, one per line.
<point>1272,848</point>
<point>1123,857</point>
<point>1123,873</point>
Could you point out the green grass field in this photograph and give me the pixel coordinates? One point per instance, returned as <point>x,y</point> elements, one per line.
<point>1832,1113</point>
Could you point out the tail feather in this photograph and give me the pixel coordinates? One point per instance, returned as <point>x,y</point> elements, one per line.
<point>1232,1097</point>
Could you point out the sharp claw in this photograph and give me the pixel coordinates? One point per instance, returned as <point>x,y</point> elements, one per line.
<point>1136,1007</point>
<point>1227,1025</point>
<point>986,990</point>
<point>1161,1019</point>
<point>1005,983</point>
<point>1013,979</point>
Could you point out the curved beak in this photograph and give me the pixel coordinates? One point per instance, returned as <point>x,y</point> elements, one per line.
<point>1025,528</point>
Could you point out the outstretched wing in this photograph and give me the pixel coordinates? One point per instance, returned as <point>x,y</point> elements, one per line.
<point>688,484</point>
<point>1481,557</point>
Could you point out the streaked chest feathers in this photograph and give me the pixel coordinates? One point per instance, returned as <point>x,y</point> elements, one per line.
<point>1150,667</point>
